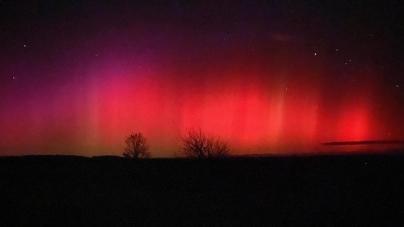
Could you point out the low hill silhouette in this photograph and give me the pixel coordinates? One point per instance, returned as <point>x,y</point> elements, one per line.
<point>365,142</point>
<point>114,191</point>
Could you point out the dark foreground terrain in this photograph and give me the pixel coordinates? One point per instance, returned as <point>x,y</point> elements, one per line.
<point>109,191</point>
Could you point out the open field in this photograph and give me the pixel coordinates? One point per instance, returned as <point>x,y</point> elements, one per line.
<point>112,191</point>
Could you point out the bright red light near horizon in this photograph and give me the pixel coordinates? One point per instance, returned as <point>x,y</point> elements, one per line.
<point>252,114</point>
<point>354,125</point>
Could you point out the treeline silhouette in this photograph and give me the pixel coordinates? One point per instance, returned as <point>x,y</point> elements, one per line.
<point>195,144</point>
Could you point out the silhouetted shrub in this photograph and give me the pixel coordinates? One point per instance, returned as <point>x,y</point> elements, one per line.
<point>195,144</point>
<point>136,147</point>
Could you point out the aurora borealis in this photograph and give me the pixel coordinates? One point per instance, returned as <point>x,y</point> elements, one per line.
<point>77,78</point>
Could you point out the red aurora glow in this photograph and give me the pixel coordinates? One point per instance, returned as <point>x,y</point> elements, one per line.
<point>253,113</point>
<point>77,78</point>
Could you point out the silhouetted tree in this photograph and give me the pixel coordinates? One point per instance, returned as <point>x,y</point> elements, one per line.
<point>195,144</point>
<point>136,147</point>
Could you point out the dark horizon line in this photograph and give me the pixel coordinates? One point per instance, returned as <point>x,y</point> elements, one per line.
<point>363,142</point>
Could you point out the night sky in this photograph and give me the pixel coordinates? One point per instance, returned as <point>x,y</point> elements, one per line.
<point>77,77</point>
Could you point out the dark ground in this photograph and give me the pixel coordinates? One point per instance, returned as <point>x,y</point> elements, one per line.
<point>109,191</point>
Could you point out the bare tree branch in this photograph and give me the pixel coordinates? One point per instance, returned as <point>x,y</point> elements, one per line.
<point>136,147</point>
<point>195,144</point>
